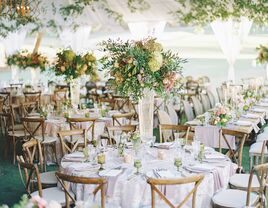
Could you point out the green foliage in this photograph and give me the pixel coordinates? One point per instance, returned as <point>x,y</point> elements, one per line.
<point>262,54</point>
<point>72,65</point>
<point>138,65</point>
<point>202,12</point>
<point>24,59</point>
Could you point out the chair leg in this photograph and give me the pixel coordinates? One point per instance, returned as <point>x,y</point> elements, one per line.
<point>250,161</point>
<point>14,149</point>
<point>53,145</point>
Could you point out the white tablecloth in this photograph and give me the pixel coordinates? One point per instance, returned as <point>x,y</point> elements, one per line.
<point>132,192</point>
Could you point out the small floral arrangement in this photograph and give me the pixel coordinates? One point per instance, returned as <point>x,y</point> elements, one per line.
<point>72,65</point>
<point>138,65</point>
<point>262,54</point>
<point>24,59</point>
<point>34,202</point>
<point>221,115</point>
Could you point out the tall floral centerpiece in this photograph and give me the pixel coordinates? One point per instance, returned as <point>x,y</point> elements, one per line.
<point>263,57</point>
<point>36,62</point>
<point>72,66</point>
<point>140,69</point>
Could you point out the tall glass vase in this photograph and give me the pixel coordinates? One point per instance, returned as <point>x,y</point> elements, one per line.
<point>146,115</point>
<point>35,75</point>
<point>75,92</point>
<point>14,74</point>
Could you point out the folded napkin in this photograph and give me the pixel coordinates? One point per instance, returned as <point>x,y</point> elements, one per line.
<point>248,123</point>
<point>243,123</point>
<point>75,155</point>
<point>164,173</point>
<point>251,115</point>
<point>194,123</point>
<point>75,159</point>
<point>110,173</point>
<point>259,110</point>
<point>215,156</point>
<point>200,168</point>
<point>82,166</point>
<point>166,145</point>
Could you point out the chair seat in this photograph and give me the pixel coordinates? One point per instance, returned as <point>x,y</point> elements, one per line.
<point>256,148</point>
<point>241,181</point>
<point>262,137</point>
<point>52,194</point>
<point>47,139</point>
<point>18,133</point>
<point>48,178</point>
<point>18,127</point>
<point>233,198</point>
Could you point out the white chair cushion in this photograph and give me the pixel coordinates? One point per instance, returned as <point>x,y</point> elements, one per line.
<point>48,178</point>
<point>52,194</point>
<point>262,137</point>
<point>233,198</point>
<point>241,181</point>
<point>265,130</point>
<point>47,139</point>
<point>18,133</point>
<point>256,148</point>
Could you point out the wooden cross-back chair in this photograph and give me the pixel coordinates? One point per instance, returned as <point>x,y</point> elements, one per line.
<point>30,176</point>
<point>77,123</point>
<point>100,184</point>
<point>69,144</point>
<point>7,99</point>
<point>28,108</point>
<point>32,96</point>
<point>240,137</point>
<point>123,117</point>
<point>29,171</point>
<point>182,129</point>
<point>118,129</point>
<point>196,180</point>
<point>35,129</point>
<point>158,104</point>
<point>60,96</point>
<point>33,152</point>
<point>254,197</point>
<point>107,101</point>
<point>122,104</point>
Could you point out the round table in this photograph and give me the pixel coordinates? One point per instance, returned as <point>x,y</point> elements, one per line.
<point>130,191</point>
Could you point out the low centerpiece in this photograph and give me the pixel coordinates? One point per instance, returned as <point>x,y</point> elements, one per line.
<point>221,115</point>
<point>140,69</point>
<point>72,66</point>
<point>36,62</point>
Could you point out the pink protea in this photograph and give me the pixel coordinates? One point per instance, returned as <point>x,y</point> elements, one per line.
<point>41,203</point>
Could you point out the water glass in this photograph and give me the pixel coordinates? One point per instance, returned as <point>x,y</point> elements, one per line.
<point>137,165</point>
<point>178,163</point>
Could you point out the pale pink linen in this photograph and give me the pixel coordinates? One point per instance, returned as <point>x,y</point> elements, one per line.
<point>210,135</point>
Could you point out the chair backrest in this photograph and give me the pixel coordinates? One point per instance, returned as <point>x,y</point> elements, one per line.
<point>33,152</point>
<point>33,97</point>
<point>29,107</point>
<point>122,104</point>
<point>119,119</point>
<point>164,118</point>
<point>220,94</point>
<point>211,98</point>
<point>261,171</point>
<point>188,110</point>
<point>71,145</point>
<point>29,172</point>
<point>60,96</point>
<point>98,182</point>
<point>7,123</point>
<point>172,114</point>
<point>196,180</point>
<point>198,108</point>
<point>7,99</point>
<point>205,102</point>
<point>183,130</point>
<point>240,137</point>
<point>34,127</point>
<point>77,123</point>
<point>112,130</point>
